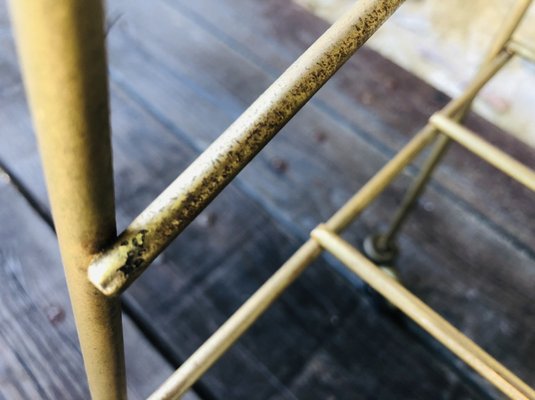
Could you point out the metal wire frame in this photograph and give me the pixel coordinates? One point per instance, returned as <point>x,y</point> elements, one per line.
<point>62,51</point>
<point>382,247</point>
<point>83,172</point>
<point>246,315</point>
<point>325,237</point>
<point>117,267</point>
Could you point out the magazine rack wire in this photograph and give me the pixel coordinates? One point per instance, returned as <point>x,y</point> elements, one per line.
<point>61,46</point>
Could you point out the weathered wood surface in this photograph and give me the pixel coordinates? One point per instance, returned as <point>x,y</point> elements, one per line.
<point>181,71</point>
<point>39,353</point>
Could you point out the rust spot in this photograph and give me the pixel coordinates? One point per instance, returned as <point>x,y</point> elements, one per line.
<point>320,137</point>
<point>55,314</point>
<point>135,256</point>
<point>279,165</point>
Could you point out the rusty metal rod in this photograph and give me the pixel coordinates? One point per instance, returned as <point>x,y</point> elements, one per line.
<point>206,355</point>
<point>423,315</point>
<point>117,267</point>
<point>61,47</point>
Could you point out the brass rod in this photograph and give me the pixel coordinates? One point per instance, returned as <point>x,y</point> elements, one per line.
<point>423,315</point>
<point>61,47</point>
<point>174,209</point>
<point>245,316</point>
<point>413,193</point>
<point>491,154</point>
<point>522,49</point>
<point>211,350</point>
<point>509,26</point>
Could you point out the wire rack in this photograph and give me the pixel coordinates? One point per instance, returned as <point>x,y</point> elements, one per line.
<point>65,77</point>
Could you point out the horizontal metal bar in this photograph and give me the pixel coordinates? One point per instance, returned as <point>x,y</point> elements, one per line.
<point>491,154</point>
<point>522,49</point>
<point>245,316</point>
<point>116,268</point>
<point>423,315</point>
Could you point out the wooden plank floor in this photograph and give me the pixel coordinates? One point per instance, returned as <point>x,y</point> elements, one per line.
<point>180,73</point>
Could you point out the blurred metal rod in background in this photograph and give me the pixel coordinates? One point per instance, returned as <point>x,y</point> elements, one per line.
<point>62,52</point>
<point>522,49</point>
<point>491,154</point>
<point>384,244</point>
<point>175,208</point>
<point>423,315</point>
<point>508,28</point>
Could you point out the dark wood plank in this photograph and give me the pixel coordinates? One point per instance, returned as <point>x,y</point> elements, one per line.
<point>40,355</point>
<point>163,101</point>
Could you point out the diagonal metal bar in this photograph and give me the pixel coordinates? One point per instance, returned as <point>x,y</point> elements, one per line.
<point>211,350</point>
<point>423,315</point>
<point>116,268</point>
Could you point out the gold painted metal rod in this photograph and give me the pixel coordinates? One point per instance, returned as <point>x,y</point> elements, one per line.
<point>423,315</point>
<point>508,28</point>
<point>491,154</point>
<point>177,206</point>
<point>485,74</point>
<point>245,316</point>
<point>457,109</point>
<point>440,146</point>
<point>206,355</point>
<point>522,49</point>
<point>61,47</point>
<point>352,209</point>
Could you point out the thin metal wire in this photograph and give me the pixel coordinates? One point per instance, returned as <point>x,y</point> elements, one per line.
<point>433,323</point>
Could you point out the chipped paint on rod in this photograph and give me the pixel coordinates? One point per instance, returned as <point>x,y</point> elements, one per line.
<point>423,315</point>
<point>113,270</point>
<point>61,47</point>
<point>491,154</point>
<point>206,355</point>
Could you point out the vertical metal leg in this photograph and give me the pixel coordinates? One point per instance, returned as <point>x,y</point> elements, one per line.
<point>381,248</point>
<point>61,46</point>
